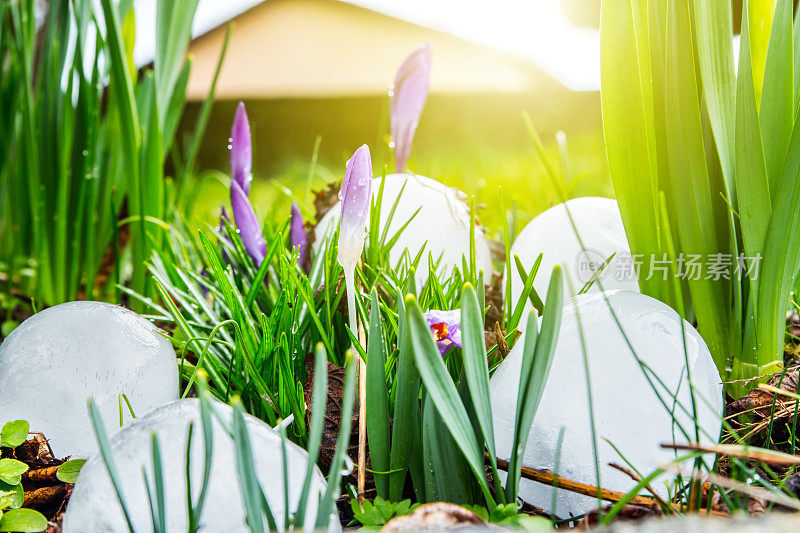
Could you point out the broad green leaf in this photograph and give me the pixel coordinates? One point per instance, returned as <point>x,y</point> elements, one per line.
<point>377,399</point>
<point>128,31</point>
<point>442,390</point>
<point>751,173</point>
<point>173,30</point>
<point>796,54</point>
<point>757,15</point>
<point>714,34</point>
<point>627,105</point>
<point>68,472</point>
<point>779,267</point>
<point>447,472</point>
<point>695,201</point>
<point>23,520</point>
<point>406,406</point>
<point>14,433</point>
<point>777,95</point>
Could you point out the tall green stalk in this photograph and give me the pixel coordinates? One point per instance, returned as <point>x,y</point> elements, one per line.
<point>705,164</point>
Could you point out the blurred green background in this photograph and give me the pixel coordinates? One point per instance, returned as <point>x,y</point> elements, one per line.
<point>478,143</point>
<point>471,134</point>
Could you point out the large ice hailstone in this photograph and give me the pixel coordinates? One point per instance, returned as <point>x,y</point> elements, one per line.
<point>443,221</point>
<point>626,409</point>
<point>94,505</point>
<point>600,226</point>
<point>57,359</point>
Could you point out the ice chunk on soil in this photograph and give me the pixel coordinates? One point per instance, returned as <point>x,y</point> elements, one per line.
<point>94,506</point>
<point>627,409</point>
<point>57,359</point>
<point>443,221</point>
<point>600,227</point>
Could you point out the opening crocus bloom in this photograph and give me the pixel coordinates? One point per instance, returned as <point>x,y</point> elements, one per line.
<point>409,93</point>
<point>446,328</point>
<point>355,198</point>
<point>297,234</point>
<point>243,213</point>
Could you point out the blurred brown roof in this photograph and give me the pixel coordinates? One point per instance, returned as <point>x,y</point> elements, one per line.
<point>322,48</point>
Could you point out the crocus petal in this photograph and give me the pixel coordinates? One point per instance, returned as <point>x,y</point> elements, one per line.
<point>297,234</point>
<point>247,224</point>
<point>409,93</point>
<point>241,150</point>
<point>355,198</point>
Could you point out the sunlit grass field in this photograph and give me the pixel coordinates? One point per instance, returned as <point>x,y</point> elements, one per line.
<point>478,144</point>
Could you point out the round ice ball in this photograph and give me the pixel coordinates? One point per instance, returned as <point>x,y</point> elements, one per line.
<point>443,221</point>
<point>56,360</point>
<point>627,409</point>
<point>94,505</point>
<point>599,225</point>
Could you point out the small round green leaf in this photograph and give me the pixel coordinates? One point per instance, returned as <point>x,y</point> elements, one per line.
<point>14,433</point>
<point>23,520</point>
<point>11,470</point>
<point>68,472</point>
<point>13,492</point>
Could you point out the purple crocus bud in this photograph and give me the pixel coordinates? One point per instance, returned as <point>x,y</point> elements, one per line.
<point>446,328</point>
<point>408,95</point>
<point>297,234</point>
<point>241,165</point>
<point>247,224</point>
<point>355,199</point>
<point>241,150</point>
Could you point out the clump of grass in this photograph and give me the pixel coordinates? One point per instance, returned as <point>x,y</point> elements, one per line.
<point>704,163</point>
<point>83,190</point>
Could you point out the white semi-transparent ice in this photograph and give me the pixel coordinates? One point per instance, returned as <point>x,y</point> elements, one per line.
<point>599,225</point>
<point>56,360</point>
<point>627,410</point>
<point>94,506</point>
<point>443,221</point>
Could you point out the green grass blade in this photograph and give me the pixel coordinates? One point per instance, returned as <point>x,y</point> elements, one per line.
<point>377,400</point>
<point>318,405</point>
<point>537,358</point>
<point>108,459</point>
<point>327,505</point>
<point>476,371</point>
<point>777,95</point>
